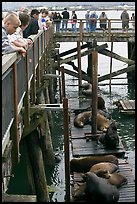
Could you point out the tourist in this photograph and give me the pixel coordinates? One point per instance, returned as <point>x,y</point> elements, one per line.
<point>103,20</point>
<point>93,21</point>
<point>17,37</point>
<point>87,17</point>
<point>57,20</point>
<point>33,26</point>
<point>10,23</point>
<point>44,19</point>
<point>125,20</point>
<point>65,17</point>
<point>133,21</point>
<point>74,21</point>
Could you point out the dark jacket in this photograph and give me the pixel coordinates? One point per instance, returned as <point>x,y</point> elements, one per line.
<point>65,14</point>
<point>32,28</point>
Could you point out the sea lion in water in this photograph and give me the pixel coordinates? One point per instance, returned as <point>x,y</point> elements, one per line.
<point>99,189</point>
<point>110,167</point>
<point>85,118</point>
<point>115,178</point>
<point>110,138</point>
<point>86,89</point>
<point>84,164</point>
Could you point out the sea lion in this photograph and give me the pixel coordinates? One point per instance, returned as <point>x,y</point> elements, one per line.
<point>84,164</point>
<point>110,167</point>
<point>110,138</point>
<point>82,119</point>
<point>115,178</point>
<point>86,89</point>
<point>79,192</point>
<point>99,189</point>
<point>85,118</point>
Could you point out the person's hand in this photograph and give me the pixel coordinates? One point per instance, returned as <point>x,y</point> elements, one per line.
<point>22,51</point>
<point>29,41</point>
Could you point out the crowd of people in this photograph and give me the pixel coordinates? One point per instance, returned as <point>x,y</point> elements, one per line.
<point>17,28</point>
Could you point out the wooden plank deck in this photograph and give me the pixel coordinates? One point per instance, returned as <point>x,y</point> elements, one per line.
<point>126,106</point>
<point>82,147</point>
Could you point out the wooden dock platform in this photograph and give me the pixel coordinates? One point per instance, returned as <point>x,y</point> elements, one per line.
<point>81,147</point>
<point>126,106</point>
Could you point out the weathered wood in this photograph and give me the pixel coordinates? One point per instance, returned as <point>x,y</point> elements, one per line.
<point>18,198</point>
<point>36,159</point>
<point>66,148</point>
<point>121,71</point>
<point>116,56</point>
<point>33,125</point>
<point>87,52</point>
<point>72,50</point>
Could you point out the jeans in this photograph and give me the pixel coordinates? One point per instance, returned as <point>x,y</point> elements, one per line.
<point>87,26</point>
<point>92,27</point>
<point>58,27</point>
<point>64,25</point>
<point>74,29</point>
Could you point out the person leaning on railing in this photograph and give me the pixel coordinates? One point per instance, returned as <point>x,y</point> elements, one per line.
<point>17,37</point>
<point>9,25</point>
<point>93,21</point>
<point>103,20</point>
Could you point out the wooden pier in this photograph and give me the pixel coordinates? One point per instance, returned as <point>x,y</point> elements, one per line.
<point>23,82</point>
<point>81,147</point>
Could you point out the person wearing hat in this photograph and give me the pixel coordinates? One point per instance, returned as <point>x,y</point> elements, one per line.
<point>87,17</point>
<point>93,21</point>
<point>33,26</point>
<point>125,19</point>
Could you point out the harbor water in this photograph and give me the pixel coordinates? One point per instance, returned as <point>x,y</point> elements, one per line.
<point>126,123</point>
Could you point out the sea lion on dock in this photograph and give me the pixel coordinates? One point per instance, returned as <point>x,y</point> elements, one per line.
<point>82,119</point>
<point>110,167</point>
<point>85,118</point>
<point>110,138</point>
<point>99,189</point>
<point>84,164</point>
<point>115,178</point>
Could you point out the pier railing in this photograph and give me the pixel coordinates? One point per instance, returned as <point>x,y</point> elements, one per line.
<point>111,25</point>
<point>21,75</point>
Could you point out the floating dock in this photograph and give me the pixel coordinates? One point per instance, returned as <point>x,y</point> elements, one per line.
<point>126,106</point>
<point>83,147</point>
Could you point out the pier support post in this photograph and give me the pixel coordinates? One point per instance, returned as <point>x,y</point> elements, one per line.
<point>38,170</point>
<point>131,55</point>
<point>94,91</point>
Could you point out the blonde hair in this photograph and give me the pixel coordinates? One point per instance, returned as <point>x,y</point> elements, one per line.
<point>12,17</point>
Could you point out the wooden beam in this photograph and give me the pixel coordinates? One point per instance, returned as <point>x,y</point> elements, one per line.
<point>116,56</point>
<point>87,52</point>
<point>102,78</point>
<point>19,198</point>
<point>121,71</point>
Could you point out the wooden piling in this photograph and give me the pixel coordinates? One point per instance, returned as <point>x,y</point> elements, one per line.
<point>79,66</point>
<point>36,159</point>
<point>131,55</point>
<point>94,90</point>
<point>111,64</point>
<point>66,149</point>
